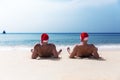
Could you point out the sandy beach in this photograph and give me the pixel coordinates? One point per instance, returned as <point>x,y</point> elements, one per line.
<point>28,24</point>
<point>16,64</point>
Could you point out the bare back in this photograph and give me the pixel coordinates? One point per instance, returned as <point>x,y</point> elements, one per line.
<point>84,51</point>
<point>44,50</point>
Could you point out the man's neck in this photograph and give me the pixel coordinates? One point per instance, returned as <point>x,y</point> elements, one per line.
<point>84,43</point>
<point>44,43</point>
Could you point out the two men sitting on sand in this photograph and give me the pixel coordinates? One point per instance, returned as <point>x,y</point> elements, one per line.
<point>46,49</point>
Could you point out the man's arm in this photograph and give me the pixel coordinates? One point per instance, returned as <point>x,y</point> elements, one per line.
<point>34,52</point>
<point>55,53</point>
<point>74,52</point>
<point>95,52</point>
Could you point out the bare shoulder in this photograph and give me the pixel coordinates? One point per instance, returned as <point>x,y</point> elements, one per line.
<point>52,45</point>
<point>37,45</point>
<point>93,46</point>
<point>77,46</point>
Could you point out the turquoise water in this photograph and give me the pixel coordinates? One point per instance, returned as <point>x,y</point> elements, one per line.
<point>62,39</point>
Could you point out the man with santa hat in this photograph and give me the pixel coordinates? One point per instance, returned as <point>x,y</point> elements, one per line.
<point>84,49</point>
<point>45,49</point>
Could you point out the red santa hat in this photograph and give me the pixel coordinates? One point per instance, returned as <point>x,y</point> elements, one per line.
<point>84,36</point>
<point>44,37</point>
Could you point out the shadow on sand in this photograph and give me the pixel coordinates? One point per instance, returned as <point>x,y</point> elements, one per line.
<point>92,58</point>
<point>59,58</point>
<point>49,58</point>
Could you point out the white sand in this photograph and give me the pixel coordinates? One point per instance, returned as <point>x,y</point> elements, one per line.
<point>17,65</point>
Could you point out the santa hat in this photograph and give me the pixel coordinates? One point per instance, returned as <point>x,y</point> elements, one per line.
<point>84,36</point>
<point>44,37</point>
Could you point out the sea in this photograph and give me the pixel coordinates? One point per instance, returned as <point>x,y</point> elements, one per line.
<point>61,40</point>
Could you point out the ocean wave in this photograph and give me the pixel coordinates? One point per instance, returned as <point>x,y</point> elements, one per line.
<point>108,46</point>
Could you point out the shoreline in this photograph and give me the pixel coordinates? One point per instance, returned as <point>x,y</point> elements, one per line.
<point>63,47</point>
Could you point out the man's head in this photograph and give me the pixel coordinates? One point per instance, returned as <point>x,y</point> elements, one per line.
<point>44,38</point>
<point>84,36</point>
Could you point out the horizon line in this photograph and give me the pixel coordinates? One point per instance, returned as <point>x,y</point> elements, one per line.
<point>60,32</point>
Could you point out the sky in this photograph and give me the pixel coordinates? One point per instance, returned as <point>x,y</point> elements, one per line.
<point>59,16</point>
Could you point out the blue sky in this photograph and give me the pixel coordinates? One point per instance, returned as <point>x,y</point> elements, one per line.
<point>60,15</point>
